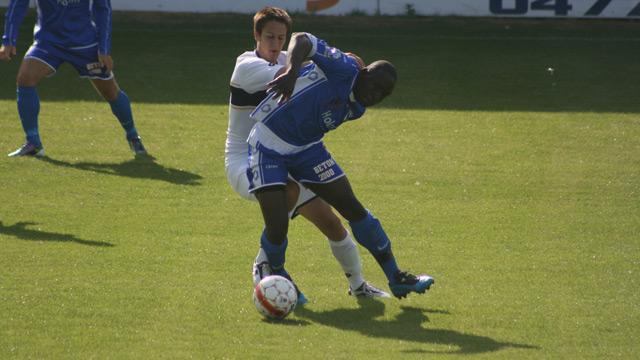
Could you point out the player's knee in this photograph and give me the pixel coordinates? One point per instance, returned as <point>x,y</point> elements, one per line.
<point>25,79</point>
<point>334,230</point>
<point>350,208</point>
<point>110,94</point>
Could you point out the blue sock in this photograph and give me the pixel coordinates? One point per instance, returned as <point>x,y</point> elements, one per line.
<point>29,108</point>
<point>370,234</point>
<point>275,253</point>
<point>121,108</point>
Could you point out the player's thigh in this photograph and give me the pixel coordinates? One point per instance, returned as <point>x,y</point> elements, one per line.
<point>237,178</point>
<point>32,71</point>
<point>108,88</point>
<point>339,194</point>
<point>266,169</point>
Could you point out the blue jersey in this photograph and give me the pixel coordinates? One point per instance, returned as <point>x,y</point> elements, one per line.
<point>71,24</point>
<point>321,101</point>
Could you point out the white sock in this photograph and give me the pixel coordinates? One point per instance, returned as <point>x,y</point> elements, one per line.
<point>346,252</point>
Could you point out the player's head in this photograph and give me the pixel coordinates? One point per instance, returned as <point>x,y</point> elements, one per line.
<point>271,25</point>
<point>375,82</point>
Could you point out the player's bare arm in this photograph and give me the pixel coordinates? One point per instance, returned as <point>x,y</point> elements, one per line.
<point>6,51</point>
<point>298,52</point>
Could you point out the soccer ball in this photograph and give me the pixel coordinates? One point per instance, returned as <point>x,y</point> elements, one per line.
<point>275,297</point>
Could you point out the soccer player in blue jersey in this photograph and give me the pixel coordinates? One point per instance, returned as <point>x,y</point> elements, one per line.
<point>304,103</point>
<point>74,31</point>
<point>248,85</point>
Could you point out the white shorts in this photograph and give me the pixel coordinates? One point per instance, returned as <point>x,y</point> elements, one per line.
<point>237,178</point>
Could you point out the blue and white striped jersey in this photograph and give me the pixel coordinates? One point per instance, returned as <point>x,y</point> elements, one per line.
<point>321,101</point>
<point>71,24</point>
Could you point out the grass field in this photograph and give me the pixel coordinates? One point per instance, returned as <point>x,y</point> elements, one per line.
<point>516,187</point>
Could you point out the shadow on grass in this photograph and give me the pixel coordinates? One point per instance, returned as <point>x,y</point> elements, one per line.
<point>20,231</point>
<point>286,322</point>
<point>142,167</point>
<point>407,326</point>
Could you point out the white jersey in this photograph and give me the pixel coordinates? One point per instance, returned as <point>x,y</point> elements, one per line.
<point>248,88</point>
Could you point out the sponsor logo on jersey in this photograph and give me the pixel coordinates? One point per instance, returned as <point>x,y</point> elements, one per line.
<point>328,120</point>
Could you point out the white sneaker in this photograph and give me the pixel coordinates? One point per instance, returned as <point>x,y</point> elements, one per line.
<point>369,291</point>
<point>261,267</point>
<point>28,149</point>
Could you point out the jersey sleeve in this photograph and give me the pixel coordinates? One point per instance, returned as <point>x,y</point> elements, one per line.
<point>331,60</point>
<point>102,18</point>
<point>12,20</point>
<point>253,74</point>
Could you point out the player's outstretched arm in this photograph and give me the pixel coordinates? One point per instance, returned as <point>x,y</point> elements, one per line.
<point>299,49</point>
<point>6,52</point>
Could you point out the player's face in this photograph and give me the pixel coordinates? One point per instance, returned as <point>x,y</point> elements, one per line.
<point>368,92</point>
<point>375,82</point>
<point>271,41</point>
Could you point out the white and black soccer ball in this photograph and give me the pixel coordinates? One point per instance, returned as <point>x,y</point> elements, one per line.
<point>275,297</point>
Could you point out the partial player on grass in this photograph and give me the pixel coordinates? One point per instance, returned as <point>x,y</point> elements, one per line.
<point>253,70</point>
<point>305,102</point>
<point>77,32</point>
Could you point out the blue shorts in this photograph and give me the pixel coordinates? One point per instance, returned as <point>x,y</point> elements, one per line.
<point>84,59</point>
<point>313,165</point>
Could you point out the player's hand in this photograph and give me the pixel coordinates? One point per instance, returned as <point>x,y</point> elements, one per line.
<point>6,51</point>
<point>282,86</point>
<point>106,61</point>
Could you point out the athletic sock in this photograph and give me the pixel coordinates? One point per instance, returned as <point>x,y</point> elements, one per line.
<point>346,252</point>
<point>121,108</point>
<point>275,253</point>
<point>29,108</point>
<point>370,234</point>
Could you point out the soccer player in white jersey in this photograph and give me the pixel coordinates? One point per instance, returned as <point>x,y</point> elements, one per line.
<point>253,70</point>
<point>305,102</point>
<point>74,31</point>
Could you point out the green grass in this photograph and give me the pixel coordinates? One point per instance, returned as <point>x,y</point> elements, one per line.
<point>516,189</point>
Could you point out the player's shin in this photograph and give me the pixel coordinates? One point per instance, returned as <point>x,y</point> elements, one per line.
<point>29,108</point>
<point>370,234</point>
<point>346,252</point>
<point>121,108</point>
<point>275,253</point>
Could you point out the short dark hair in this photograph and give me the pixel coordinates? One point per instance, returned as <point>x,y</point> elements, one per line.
<point>271,13</point>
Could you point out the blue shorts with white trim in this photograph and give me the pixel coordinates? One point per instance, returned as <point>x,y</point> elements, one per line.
<point>313,165</point>
<point>83,59</point>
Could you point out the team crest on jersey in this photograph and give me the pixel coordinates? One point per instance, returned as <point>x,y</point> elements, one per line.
<point>333,53</point>
<point>68,2</point>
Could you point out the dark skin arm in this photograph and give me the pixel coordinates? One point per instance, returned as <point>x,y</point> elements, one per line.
<point>298,52</point>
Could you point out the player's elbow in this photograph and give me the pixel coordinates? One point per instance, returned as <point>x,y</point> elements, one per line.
<point>301,38</point>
